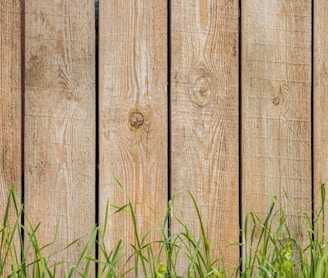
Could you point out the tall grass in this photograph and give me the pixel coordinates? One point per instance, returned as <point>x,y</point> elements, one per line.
<point>271,247</point>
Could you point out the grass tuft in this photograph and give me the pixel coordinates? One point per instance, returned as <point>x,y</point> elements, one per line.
<point>272,248</point>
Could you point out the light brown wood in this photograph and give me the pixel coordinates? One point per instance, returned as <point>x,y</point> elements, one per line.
<point>10,106</point>
<point>276,105</point>
<point>204,120</point>
<point>133,113</point>
<point>10,99</point>
<point>320,104</point>
<point>60,123</point>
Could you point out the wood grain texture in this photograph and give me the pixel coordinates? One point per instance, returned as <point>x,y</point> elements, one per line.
<point>10,104</point>
<point>60,122</point>
<point>10,99</point>
<point>320,104</point>
<point>276,104</point>
<point>204,119</point>
<point>133,113</point>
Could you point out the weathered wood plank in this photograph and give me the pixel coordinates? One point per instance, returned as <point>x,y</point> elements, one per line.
<point>133,112</point>
<point>10,96</point>
<point>204,103</point>
<point>276,104</point>
<point>320,104</point>
<point>10,105</point>
<point>60,122</point>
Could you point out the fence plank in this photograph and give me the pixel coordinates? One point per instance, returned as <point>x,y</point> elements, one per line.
<point>320,100</point>
<point>10,104</point>
<point>10,95</point>
<point>204,103</point>
<point>276,104</point>
<point>60,122</point>
<point>132,112</point>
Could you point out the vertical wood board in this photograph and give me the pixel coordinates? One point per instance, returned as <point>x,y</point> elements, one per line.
<point>320,120</point>
<point>10,109</point>
<point>204,120</point>
<point>60,123</point>
<point>10,99</point>
<point>276,105</point>
<point>133,114</point>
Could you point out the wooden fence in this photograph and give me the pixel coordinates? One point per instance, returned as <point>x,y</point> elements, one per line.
<point>223,98</point>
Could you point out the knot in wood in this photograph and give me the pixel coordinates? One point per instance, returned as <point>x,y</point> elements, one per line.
<point>276,101</point>
<point>202,90</point>
<point>136,119</point>
<point>69,95</point>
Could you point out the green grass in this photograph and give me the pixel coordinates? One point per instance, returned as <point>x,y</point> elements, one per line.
<point>271,247</point>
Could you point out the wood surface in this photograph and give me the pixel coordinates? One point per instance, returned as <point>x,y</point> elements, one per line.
<point>10,99</point>
<point>320,104</point>
<point>276,106</point>
<point>60,123</point>
<point>204,120</point>
<point>10,105</point>
<point>57,39</point>
<point>133,118</point>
